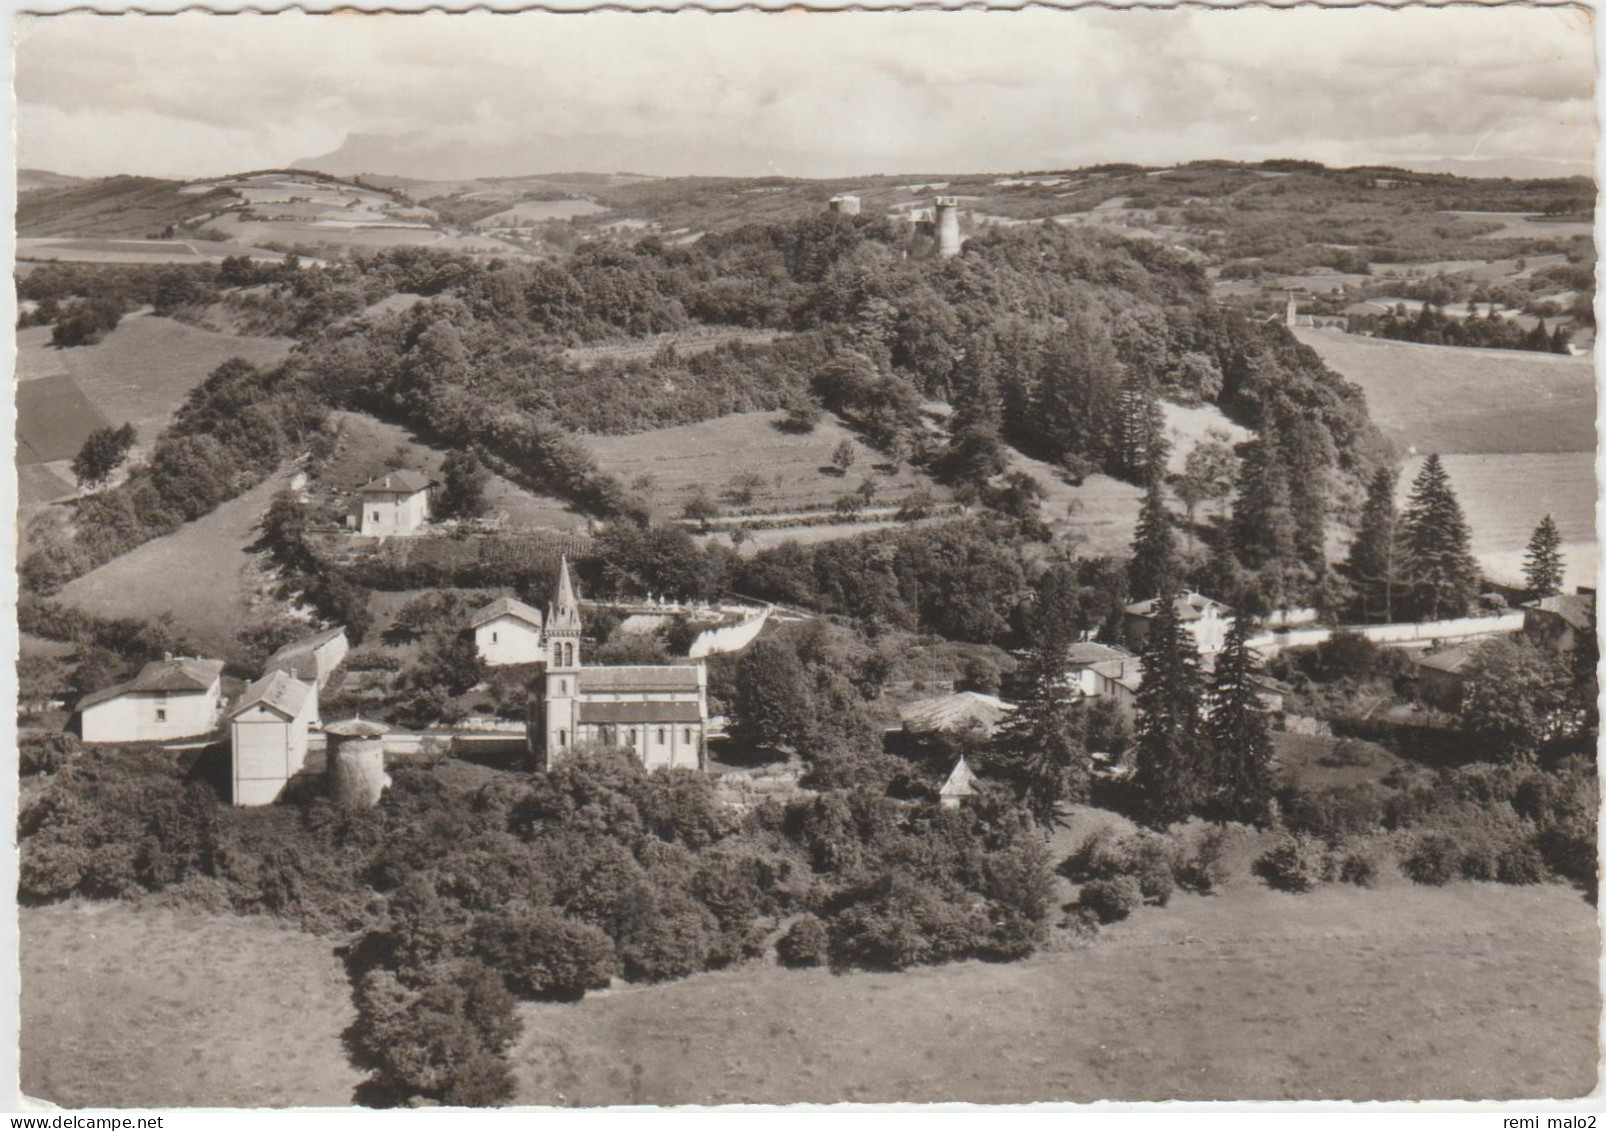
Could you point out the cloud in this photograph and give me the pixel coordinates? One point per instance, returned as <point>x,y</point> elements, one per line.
<point>832,94</point>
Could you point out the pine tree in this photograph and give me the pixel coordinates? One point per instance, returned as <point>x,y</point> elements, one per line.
<point>1170,753</point>
<point>1152,572</point>
<point>1238,733</point>
<point>1141,446</point>
<point>1543,568</point>
<point>1262,518</point>
<point>1443,575</point>
<point>1040,749</point>
<point>1374,557</point>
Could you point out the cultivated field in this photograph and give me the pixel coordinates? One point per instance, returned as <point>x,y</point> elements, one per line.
<point>1521,226</point>
<point>201,574</point>
<point>540,211</point>
<point>1469,991</point>
<point>154,1008</point>
<point>1448,399</point>
<point>135,251</point>
<point>140,373</point>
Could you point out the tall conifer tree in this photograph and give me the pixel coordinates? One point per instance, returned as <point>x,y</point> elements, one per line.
<point>1153,571</point>
<point>1170,771</point>
<point>1238,733</point>
<point>1374,564</point>
<point>1443,575</point>
<point>1543,567</point>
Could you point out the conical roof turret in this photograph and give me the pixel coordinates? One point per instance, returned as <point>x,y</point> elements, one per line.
<point>563,614</point>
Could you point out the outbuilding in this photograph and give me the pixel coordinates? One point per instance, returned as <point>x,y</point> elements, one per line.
<point>268,737</point>
<point>169,699</point>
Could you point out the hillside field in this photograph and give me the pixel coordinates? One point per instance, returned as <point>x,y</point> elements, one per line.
<point>797,469</point>
<point>125,1007</point>
<point>140,373</point>
<point>1448,399</point>
<point>201,574</point>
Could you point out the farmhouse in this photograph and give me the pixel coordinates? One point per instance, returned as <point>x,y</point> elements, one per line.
<point>268,736</point>
<point>507,631</point>
<point>169,699</point>
<point>1554,623</point>
<point>1084,656</point>
<point>1206,620</point>
<point>658,711</point>
<point>1440,676</point>
<point>395,503</point>
<point>312,659</point>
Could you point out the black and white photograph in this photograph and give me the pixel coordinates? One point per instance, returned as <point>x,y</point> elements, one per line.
<point>912,557</point>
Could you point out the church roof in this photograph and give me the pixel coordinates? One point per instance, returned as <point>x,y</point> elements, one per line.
<point>563,614</point>
<point>661,677</point>
<point>640,713</point>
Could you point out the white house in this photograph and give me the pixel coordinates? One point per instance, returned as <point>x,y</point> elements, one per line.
<point>169,699</point>
<point>1082,660</point>
<point>268,736</point>
<point>1208,621</point>
<point>311,659</point>
<point>507,631</point>
<point>395,503</point>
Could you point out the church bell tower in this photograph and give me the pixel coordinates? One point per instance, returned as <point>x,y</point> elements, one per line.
<point>562,667</point>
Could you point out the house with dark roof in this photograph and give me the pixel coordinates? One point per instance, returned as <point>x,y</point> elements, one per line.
<point>312,659</point>
<point>1205,619</point>
<point>394,503</point>
<point>507,631</point>
<point>268,731</point>
<point>177,697</point>
<point>660,711</point>
<point>1083,657</point>
<point>1441,676</point>
<point>1555,623</point>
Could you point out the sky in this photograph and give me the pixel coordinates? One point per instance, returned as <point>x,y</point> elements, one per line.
<point>802,93</point>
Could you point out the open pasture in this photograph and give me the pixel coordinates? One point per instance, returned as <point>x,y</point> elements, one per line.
<point>1469,991</point>
<point>201,574</point>
<point>54,418</point>
<point>1528,226</point>
<point>673,464</point>
<point>540,211</point>
<point>1449,399</point>
<point>125,1007</point>
<point>134,251</point>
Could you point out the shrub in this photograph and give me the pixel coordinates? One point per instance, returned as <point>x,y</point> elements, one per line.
<point>1202,869</point>
<point>1149,858</point>
<point>805,943</point>
<point>1521,864</point>
<point>545,956</point>
<point>1358,868</point>
<point>1336,813</point>
<point>45,753</point>
<point>674,941</point>
<point>1111,900</point>
<point>1294,864</point>
<point>1435,860</point>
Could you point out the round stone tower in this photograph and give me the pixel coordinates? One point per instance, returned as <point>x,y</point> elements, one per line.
<point>947,221</point>
<point>355,775</point>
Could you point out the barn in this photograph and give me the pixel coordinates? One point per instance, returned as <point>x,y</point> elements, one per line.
<point>268,737</point>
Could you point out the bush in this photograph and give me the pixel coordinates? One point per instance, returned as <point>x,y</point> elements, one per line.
<point>1336,813</point>
<point>805,943</point>
<point>674,941</point>
<point>1111,900</point>
<point>1202,869</point>
<point>1358,868</point>
<point>45,753</point>
<point>1294,865</point>
<point>1149,858</point>
<point>545,956</point>
<point>1521,864</point>
<point>1435,860</point>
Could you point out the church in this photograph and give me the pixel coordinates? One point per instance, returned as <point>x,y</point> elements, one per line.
<point>658,711</point>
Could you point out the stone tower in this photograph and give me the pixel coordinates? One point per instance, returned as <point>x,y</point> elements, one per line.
<point>562,666</point>
<point>947,221</point>
<point>1292,314</point>
<point>355,771</point>
<point>846,205</point>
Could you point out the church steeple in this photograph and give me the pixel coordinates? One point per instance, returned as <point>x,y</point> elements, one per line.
<point>563,614</point>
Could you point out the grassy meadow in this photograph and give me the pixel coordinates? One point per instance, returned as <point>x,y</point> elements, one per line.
<point>126,1007</point>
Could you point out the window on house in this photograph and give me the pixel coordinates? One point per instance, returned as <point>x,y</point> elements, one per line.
<point>630,736</point>
<point>161,714</point>
<point>563,687</point>
<point>493,638</point>
<point>376,516</point>
<point>660,736</point>
<point>687,736</point>
<point>563,739</point>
